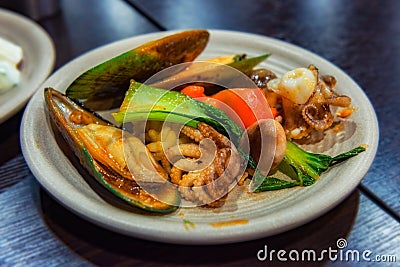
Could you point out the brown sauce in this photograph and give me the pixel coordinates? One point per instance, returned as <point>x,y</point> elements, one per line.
<point>126,186</point>
<point>229,223</point>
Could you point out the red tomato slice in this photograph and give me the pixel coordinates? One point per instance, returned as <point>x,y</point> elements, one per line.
<point>243,105</point>
<point>249,104</point>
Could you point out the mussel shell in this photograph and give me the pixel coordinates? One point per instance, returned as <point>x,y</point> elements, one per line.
<point>103,86</point>
<point>59,110</point>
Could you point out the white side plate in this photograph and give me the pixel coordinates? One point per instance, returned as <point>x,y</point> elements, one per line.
<point>38,61</point>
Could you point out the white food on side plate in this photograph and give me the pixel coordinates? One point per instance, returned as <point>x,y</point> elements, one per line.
<point>10,56</point>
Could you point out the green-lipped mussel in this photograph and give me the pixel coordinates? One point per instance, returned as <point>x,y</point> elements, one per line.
<point>103,86</point>
<point>102,148</point>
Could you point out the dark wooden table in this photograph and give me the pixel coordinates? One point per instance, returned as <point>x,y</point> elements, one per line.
<point>361,37</point>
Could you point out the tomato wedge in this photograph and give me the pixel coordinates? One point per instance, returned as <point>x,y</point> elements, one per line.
<point>243,105</point>
<point>250,104</point>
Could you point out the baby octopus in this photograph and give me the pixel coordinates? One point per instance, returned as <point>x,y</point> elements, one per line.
<point>316,111</point>
<point>307,98</point>
<point>205,175</point>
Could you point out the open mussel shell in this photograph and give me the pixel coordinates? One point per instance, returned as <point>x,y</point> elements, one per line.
<point>68,117</point>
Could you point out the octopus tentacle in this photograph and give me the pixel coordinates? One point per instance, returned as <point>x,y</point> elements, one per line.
<point>204,182</point>
<point>204,189</point>
<point>329,80</point>
<point>191,150</point>
<point>191,188</point>
<point>189,165</point>
<point>176,175</point>
<point>209,132</point>
<point>188,194</point>
<point>339,101</point>
<point>220,160</point>
<point>295,126</point>
<point>189,179</point>
<point>192,133</point>
<point>317,116</point>
<point>330,97</point>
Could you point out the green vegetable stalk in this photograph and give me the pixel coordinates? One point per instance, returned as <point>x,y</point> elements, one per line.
<point>303,167</point>
<point>143,102</point>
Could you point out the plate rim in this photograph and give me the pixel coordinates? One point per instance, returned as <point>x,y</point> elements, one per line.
<point>242,233</point>
<point>20,20</point>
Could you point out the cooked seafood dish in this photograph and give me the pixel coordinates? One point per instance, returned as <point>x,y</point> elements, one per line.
<point>182,141</point>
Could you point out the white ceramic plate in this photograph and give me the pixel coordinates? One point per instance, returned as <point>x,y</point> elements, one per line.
<point>248,216</point>
<point>38,60</point>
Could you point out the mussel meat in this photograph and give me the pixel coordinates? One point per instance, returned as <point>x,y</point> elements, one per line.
<point>119,161</point>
